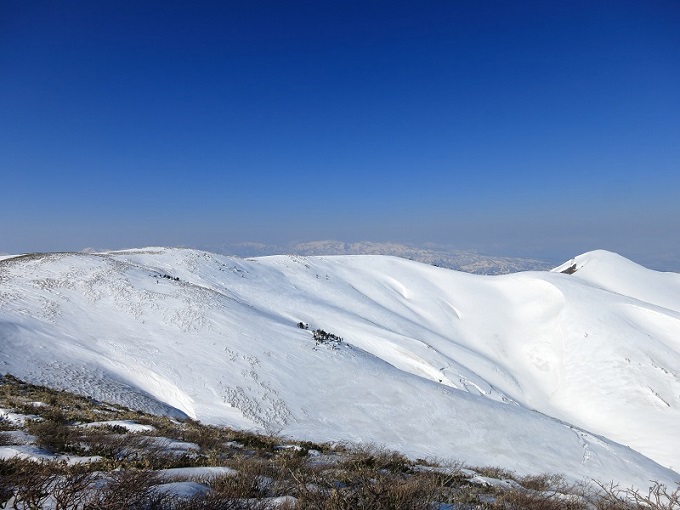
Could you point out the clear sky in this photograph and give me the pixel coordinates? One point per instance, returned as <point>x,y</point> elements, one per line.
<point>543,128</point>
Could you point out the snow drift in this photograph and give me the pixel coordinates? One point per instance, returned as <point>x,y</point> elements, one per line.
<point>537,372</point>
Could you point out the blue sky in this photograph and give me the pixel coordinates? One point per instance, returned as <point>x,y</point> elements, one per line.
<point>539,129</point>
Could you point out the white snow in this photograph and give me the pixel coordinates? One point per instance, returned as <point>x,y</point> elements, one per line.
<point>494,482</point>
<point>275,502</point>
<point>17,418</point>
<point>171,446</point>
<point>16,437</point>
<point>182,489</point>
<point>29,452</point>
<point>536,372</point>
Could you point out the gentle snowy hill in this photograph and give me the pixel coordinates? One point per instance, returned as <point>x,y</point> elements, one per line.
<point>537,372</point>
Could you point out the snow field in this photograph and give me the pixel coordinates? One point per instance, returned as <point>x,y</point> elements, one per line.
<point>536,372</point>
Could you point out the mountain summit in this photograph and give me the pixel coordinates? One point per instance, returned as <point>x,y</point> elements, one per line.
<point>574,371</point>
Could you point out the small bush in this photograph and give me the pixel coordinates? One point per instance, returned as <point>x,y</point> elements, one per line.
<point>658,497</point>
<point>495,472</point>
<point>372,457</point>
<point>543,482</point>
<point>323,337</point>
<point>117,447</point>
<point>30,483</point>
<point>55,436</point>
<point>130,488</point>
<point>531,500</point>
<point>73,489</point>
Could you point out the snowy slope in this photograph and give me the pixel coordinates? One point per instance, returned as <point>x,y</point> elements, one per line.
<point>617,274</point>
<point>537,371</point>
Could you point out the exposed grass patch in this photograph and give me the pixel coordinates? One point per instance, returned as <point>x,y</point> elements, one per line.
<point>128,470</point>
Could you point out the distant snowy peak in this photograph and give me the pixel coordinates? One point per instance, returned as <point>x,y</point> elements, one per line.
<point>599,258</point>
<point>460,260</point>
<point>610,271</point>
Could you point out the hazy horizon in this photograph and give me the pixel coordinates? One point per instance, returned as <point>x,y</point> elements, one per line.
<point>247,249</point>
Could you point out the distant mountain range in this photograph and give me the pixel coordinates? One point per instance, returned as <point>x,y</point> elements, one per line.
<point>460,260</point>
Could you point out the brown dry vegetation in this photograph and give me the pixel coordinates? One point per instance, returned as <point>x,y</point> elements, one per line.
<point>310,476</point>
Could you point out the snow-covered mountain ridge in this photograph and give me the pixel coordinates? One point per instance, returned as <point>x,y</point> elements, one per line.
<point>538,371</point>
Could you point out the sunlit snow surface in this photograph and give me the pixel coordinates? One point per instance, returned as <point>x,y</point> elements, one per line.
<point>537,372</point>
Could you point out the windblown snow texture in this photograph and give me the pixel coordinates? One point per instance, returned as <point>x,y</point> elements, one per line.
<point>536,372</point>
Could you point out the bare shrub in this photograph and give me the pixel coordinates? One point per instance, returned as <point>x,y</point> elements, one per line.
<point>111,446</point>
<point>134,451</point>
<point>30,483</point>
<point>49,413</point>
<point>374,457</point>
<point>373,490</point>
<point>658,497</point>
<point>240,491</point>
<point>54,436</point>
<point>495,472</point>
<point>6,425</point>
<point>8,470</point>
<point>73,489</point>
<point>130,488</point>
<point>252,440</point>
<point>156,455</point>
<point>248,482</point>
<point>530,500</point>
<point>543,482</point>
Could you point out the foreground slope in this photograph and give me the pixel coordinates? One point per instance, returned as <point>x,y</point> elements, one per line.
<point>535,372</point>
